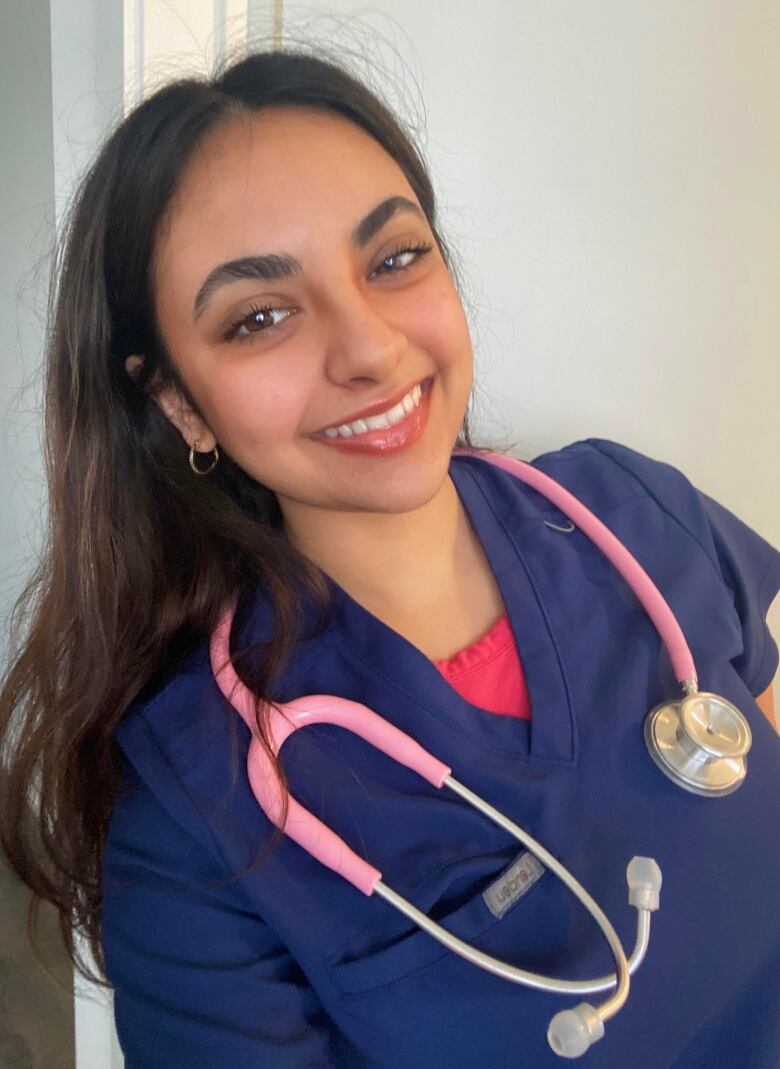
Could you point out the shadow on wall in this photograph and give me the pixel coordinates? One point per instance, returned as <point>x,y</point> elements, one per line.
<point>36,1013</point>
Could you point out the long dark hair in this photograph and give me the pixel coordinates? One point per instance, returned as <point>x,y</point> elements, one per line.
<point>141,557</point>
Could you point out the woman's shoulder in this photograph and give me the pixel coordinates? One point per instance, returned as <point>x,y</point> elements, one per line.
<point>604,475</point>
<point>664,519</point>
<point>177,718</point>
<point>177,758</point>
<point>612,473</point>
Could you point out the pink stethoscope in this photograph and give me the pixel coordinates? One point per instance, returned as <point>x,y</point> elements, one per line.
<point>699,741</point>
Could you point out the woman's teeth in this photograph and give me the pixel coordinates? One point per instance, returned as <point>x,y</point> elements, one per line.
<point>380,421</point>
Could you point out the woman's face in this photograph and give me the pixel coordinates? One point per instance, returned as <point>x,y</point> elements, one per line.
<point>345,323</point>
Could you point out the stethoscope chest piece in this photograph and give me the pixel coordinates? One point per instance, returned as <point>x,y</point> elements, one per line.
<point>700,743</point>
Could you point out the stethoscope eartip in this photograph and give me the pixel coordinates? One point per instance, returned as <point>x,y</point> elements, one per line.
<point>572,1032</point>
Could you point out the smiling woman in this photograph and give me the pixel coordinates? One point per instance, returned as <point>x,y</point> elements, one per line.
<point>293,300</point>
<point>258,380</point>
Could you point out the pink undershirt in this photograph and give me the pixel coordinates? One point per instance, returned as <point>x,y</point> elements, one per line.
<point>489,674</point>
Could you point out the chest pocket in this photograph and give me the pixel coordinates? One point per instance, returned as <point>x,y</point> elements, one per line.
<point>456,896</point>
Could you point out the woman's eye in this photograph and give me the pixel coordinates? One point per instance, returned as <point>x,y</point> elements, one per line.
<point>408,254</point>
<point>256,321</point>
<point>263,320</point>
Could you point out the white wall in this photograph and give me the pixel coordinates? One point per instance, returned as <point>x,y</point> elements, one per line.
<point>610,171</point>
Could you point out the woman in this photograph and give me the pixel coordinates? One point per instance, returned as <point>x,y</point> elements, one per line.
<point>259,367</point>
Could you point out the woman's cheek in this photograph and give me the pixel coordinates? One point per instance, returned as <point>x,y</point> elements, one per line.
<point>260,406</point>
<point>440,325</point>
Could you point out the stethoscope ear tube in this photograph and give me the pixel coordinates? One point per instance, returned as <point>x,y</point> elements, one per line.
<point>559,1032</point>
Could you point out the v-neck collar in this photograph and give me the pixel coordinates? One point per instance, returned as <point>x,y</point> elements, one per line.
<point>550,736</point>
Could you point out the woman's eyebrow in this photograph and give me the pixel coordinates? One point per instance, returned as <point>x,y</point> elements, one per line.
<point>282,265</point>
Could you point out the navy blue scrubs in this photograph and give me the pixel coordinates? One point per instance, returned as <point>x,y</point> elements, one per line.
<point>291,966</point>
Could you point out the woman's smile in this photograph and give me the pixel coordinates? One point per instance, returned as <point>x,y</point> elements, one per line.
<point>391,429</point>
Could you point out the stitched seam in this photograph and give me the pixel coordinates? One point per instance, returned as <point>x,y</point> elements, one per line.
<point>314,661</point>
<point>355,937</point>
<point>217,732</point>
<point>573,746</point>
<point>516,755</point>
<point>483,660</point>
<point>364,991</point>
<point>191,800</point>
<point>714,563</point>
<point>763,583</point>
<point>665,510</point>
<point>466,673</point>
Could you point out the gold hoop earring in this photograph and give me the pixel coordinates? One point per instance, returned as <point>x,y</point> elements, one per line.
<point>212,465</point>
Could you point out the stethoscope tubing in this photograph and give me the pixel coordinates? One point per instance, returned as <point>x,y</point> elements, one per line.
<point>571,1032</point>
<point>631,570</point>
<point>535,980</point>
<point>322,843</point>
<point>513,972</point>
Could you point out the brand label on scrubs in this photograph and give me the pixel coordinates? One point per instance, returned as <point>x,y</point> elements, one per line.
<point>513,884</point>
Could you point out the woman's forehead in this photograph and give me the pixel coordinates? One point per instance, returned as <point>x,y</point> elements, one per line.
<point>275,173</point>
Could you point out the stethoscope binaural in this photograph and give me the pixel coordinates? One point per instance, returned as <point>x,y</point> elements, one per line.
<point>699,741</point>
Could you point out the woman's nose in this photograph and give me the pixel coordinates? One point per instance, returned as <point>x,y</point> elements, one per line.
<point>363,342</point>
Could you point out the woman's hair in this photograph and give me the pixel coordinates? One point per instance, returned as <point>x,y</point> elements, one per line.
<point>141,557</point>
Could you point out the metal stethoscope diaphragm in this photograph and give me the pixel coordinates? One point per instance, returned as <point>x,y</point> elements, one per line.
<point>700,742</point>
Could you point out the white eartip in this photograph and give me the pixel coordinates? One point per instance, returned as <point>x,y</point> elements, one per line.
<point>571,1032</point>
<point>644,882</point>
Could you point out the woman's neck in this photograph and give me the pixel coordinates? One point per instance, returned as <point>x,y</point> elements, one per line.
<point>423,572</point>
<point>399,562</point>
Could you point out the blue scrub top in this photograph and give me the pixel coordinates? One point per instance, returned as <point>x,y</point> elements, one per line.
<point>291,966</point>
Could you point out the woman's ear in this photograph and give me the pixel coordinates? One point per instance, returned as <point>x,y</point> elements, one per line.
<point>168,399</point>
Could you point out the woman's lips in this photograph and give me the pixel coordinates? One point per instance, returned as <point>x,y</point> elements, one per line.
<point>378,407</point>
<point>387,439</point>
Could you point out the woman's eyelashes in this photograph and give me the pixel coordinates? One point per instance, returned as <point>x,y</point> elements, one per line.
<point>260,320</point>
<point>418,250</point>
<point>252,319</point>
